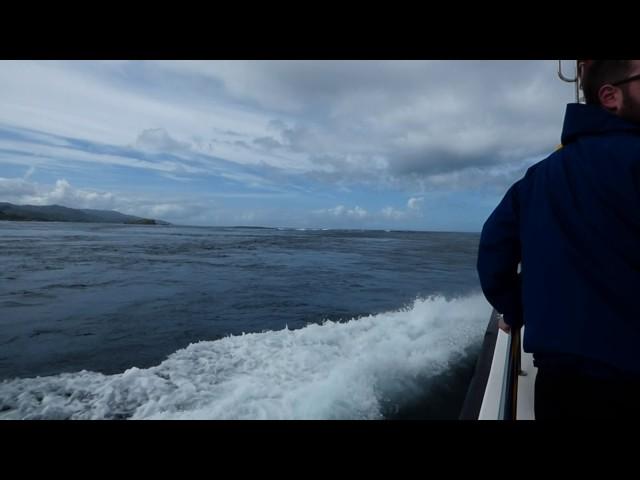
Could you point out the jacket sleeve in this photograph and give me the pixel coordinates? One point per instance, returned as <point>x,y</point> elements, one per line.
<point>499,256</point>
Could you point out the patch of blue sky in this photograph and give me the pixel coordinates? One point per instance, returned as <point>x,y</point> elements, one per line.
<point>11,170</point>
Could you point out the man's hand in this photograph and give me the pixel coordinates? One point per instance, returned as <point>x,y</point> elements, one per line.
<point>502,325</point>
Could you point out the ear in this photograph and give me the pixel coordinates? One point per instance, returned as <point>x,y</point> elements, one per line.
<point>610,97</point>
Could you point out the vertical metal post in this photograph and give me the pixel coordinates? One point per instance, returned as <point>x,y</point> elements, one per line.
<point>575,79</point>
<point>509,398</point>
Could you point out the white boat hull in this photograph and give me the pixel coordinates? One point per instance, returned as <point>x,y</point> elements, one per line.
<point>486,396</point>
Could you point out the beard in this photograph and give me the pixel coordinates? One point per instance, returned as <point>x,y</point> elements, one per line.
<point>630,109</point>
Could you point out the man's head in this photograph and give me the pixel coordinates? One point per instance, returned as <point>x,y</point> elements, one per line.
<point>614,85</point>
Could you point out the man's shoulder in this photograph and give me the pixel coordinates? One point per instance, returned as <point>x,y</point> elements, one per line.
<point>552,157</point>
<point>619,143</point>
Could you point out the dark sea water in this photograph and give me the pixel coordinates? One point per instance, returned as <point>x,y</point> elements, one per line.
<point>123,321</point>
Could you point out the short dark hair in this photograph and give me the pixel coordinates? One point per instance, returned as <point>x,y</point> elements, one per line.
<point>600,72</point>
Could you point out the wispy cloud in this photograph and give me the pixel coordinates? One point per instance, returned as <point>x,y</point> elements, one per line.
<point>311,130</point>
<point>30,172</point>
<point>159,141</point>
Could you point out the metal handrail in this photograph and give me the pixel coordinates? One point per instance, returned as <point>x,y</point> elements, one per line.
<point>509,398</point>
<point>575,79</point>
<point>513,371</point>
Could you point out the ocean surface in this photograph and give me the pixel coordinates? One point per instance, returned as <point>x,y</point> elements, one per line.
<point>103,321</point>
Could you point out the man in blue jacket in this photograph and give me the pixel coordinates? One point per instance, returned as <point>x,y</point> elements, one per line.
<point>573,224</point>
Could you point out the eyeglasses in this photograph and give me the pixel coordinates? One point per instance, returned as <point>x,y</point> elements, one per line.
<point>626,80</point>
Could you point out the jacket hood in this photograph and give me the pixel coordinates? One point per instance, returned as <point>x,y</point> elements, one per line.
<point>583,120</point>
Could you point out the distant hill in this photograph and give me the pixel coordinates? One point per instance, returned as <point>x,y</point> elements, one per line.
<point>58,213</point>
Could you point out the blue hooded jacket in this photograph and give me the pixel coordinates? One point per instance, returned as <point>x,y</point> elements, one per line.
<point>573,222</point>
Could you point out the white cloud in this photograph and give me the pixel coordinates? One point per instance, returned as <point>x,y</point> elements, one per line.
<point>391,213</point>
<point>23,192</point>
<point>412,116</point>
<point>64,194</point>
<point>13,188</point>
<point>89,100</point>
<point>158,140</point>
<point>341,215</point>
<point>401,119</point>
<point>412,126</point>
<point>415,203</point>
<point>498,177</point>
<point>357,213</point>
<point>20,191</point>
<point>413,210</point>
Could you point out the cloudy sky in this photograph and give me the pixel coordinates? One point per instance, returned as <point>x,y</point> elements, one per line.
<point>419,145</point>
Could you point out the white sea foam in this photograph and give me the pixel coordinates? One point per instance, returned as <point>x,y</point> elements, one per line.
<point>346,370</point>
